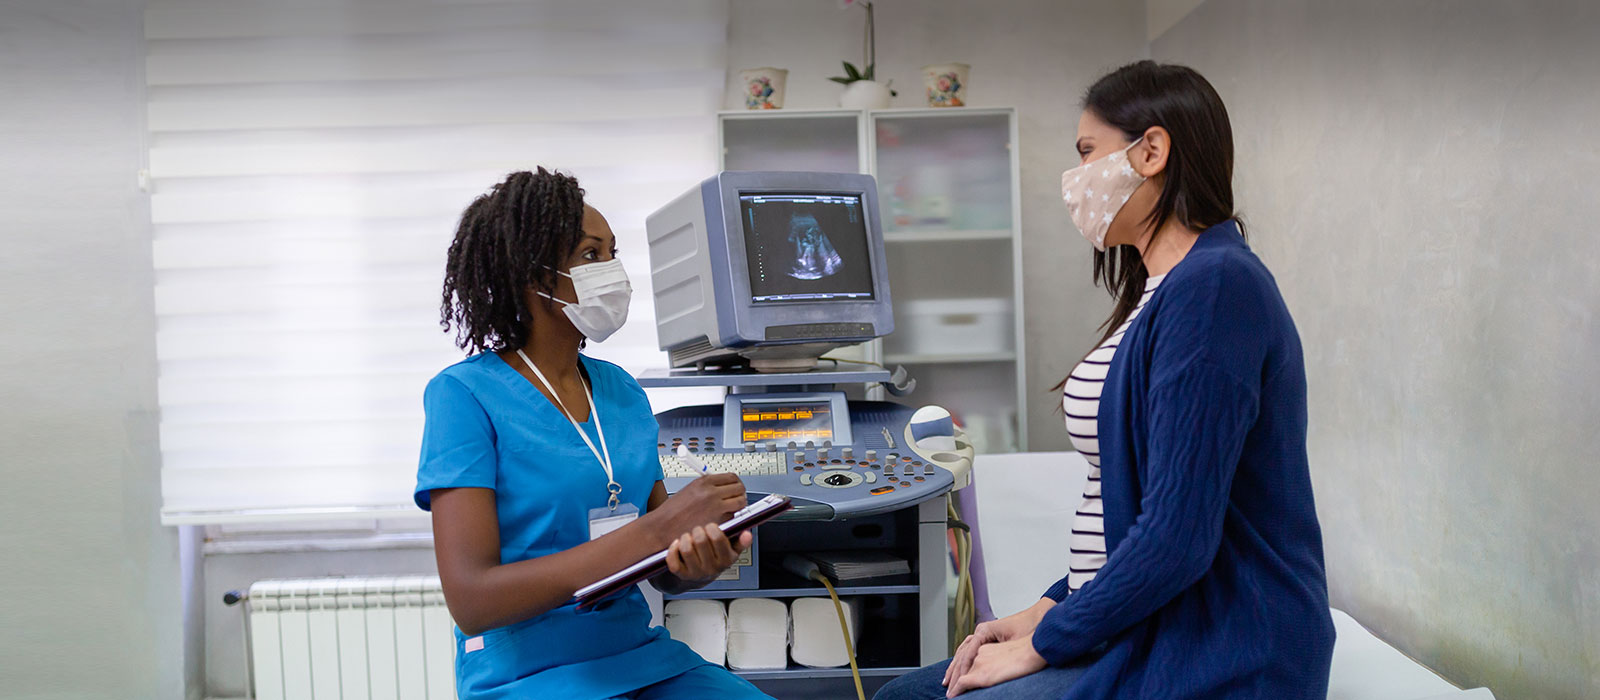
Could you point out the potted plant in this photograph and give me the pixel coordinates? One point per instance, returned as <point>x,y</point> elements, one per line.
<point>861,88</point>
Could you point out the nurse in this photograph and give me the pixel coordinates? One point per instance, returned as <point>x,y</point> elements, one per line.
<point>539,466</point>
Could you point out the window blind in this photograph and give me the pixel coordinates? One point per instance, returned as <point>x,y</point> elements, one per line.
<point>308,163</point>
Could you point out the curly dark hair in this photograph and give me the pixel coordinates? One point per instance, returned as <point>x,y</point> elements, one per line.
<point>509,239</point>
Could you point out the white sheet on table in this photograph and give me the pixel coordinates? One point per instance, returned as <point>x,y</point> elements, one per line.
<point>1025,507</point>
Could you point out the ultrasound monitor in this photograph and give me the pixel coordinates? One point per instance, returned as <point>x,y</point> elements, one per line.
<point>769,269</point>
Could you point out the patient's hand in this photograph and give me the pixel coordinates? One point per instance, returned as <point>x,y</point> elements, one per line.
<point>1004,629</point>
<point>998,663</point>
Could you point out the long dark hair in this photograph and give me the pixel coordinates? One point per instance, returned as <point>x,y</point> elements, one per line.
<point>513,237</point>
<point>1198,191</point>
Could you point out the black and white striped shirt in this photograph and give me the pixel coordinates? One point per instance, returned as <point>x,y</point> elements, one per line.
<point>1081,401</point>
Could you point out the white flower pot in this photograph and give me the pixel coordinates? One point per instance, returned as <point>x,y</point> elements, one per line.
<point>865,94</point>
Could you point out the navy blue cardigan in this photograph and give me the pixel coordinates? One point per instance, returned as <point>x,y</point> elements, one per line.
<point>1215,586</point>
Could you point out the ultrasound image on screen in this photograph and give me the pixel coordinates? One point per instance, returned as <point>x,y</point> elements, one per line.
<point>815,257</point>
<point>806,247</point>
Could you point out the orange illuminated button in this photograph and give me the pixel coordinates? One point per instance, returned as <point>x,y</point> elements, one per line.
<point>881,490</point>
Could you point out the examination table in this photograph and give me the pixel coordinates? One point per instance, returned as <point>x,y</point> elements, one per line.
<point>1022,497</point>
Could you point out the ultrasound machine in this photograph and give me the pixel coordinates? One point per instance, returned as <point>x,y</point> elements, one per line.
<point>756,275</point>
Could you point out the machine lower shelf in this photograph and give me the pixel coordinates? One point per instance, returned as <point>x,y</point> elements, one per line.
<point>803,672</point>
<point>843,591</point>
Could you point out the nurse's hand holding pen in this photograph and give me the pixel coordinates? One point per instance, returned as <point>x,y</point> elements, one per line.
<point>700,550</point>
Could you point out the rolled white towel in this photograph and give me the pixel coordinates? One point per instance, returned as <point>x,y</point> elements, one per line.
<point>701,624</point>
<point>758,634</point>
<point>816,640</point>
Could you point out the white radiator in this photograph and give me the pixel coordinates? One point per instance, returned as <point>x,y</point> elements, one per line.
<point>351,639</point>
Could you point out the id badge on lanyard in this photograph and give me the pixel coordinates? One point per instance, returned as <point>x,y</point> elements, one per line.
<point>615,514</point>
<point>605,520</point>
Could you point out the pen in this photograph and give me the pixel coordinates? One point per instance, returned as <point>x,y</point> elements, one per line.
<point>689,460</point>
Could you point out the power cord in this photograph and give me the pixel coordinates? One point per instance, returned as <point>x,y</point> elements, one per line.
<point>844,628</point>
<point>964,619</point>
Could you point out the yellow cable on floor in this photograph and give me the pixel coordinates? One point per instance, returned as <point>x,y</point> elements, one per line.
<point>844,627</point>
<point>965,616</point>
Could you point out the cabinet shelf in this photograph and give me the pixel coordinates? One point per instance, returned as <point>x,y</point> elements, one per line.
<point>817,592</point>
<point>926,235</point>
<point>747,114</point>
<point>932,358</point>
<point>949,184</point>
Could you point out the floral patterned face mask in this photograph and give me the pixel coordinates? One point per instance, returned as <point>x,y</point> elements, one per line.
<point>1095,192</point>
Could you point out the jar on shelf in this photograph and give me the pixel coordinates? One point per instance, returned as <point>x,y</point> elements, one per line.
<point>946,84</point>
<point>763,87</point>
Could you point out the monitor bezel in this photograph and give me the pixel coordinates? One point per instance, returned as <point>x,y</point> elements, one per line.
<point>751,319</point>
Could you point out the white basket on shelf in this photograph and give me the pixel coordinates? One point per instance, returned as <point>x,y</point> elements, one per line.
<point>955,326</point>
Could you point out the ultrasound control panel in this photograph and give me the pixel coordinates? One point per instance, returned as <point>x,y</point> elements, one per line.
<point>834,458</point>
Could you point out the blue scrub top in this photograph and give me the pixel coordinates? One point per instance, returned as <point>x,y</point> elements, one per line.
<point>489,427</point>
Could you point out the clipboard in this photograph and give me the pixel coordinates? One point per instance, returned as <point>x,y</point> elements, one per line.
<point>746,519</point>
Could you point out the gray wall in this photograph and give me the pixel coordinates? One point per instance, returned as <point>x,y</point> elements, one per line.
<point>1421,177</point>
<point>1036,55</point>
<point>92,601</point>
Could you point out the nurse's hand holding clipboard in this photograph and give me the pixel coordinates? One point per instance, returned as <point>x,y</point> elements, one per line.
<point>700,551</point>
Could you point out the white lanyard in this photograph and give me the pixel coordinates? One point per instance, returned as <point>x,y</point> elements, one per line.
<point>603,455</point>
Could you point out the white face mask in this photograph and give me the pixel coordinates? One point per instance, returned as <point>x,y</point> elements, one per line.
<point>603,294</point>
<point>1096,191</point>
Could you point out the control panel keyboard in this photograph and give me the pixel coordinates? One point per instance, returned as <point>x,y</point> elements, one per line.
<point>877,472</point>
<point>741,463</point>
